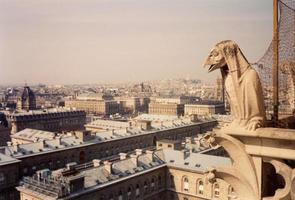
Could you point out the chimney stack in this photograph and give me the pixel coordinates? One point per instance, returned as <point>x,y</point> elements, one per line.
<point>134,159</point>
<point>58,139</point>
<point>16,147</point>
<point>108,166</point>
<point>138,151</point>
<point>96,162</point>
<point>123,156</point>
<point>149,154</point>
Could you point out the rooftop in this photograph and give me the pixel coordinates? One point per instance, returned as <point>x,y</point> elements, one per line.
<point>46,111</point>
<point>96,175</point>
<point>70,140</point>
<point>107,124</point>
<point>152,117</point>
<point>192,161</point>
<point>93,175</point>
<point>4,159</point>
<point>33,135</point>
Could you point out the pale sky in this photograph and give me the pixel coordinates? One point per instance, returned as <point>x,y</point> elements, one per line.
<point>93,41</point>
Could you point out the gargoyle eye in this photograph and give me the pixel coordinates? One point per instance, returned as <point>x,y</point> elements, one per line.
<point>214,53</point>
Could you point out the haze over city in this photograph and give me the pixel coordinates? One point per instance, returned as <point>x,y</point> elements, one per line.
<point>127,40</point>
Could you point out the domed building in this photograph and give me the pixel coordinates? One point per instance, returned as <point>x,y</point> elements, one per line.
<point>27,100</point>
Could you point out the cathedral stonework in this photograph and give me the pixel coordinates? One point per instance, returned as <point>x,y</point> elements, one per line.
<point>262,158</point>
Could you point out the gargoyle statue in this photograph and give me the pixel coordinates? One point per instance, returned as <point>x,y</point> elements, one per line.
<point>242,85</point>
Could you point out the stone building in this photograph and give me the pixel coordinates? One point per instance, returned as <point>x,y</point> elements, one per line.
<point>204,109</point>
<point>166,109</point>
<point>94,96</point>
<point>27,100</point>
<point>219,93</point>
<point>81,147</point>
<point>29,135</point>
<point>129,104</point>
<point>164,174</point>
<point>175,99</point>
<point>100,107</point>
<point>103,125</point>
<point>4,130</point>
<point>51,120</point>
<point>9,176</point>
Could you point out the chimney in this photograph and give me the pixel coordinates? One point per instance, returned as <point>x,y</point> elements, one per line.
<point>83,135</point>
<point>41,144</point>
<point>197,142</point>
<point>186,153</point>
<point>188,140</point>
<point>149,154</point>
<point>134,158</point>
<point>58,138</point>
<point>123,156</point>
<point>44,143</point>
<point>138,151</point>
<point>108,166</point>
<point>16,147</point>
<point>9,144</point>
<point>71,166</point>
<point>130,124</point>
<point>96,162</point>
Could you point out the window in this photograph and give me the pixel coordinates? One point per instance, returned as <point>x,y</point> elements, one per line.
<point>145,186</point>
<point>185,184</point>
<point>137,191</point>
<point>216,190</point>
<point>120,197</point>
<point>25,170</point>
<point>159,181</point>
<point>111,197</point>
<point>153,184</point>
<point>129,192</point>
<point>2,178</point>
<point>200,187</point>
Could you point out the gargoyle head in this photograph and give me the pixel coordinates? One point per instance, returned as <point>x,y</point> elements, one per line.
<point>227,56</point>
<point>215,60</point>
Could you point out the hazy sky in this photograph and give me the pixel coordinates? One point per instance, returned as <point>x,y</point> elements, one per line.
<point>92,41</point>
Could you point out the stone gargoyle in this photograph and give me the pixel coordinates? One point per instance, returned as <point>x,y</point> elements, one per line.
<point>242,85</point>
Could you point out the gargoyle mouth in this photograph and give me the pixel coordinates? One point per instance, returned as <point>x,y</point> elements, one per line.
<point>212,68</point>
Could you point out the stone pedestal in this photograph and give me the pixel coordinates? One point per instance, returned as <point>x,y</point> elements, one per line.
<point>263,162</point>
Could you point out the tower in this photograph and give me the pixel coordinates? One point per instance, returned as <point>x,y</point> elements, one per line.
<point>27,101</point>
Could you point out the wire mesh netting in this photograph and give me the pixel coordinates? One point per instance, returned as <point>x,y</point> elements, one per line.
<point>286,62</point>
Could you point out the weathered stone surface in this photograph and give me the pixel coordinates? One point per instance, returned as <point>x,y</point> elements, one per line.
<point>242,85</point>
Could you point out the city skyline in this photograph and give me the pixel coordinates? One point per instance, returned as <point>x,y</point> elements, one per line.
<point>98,41</point>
